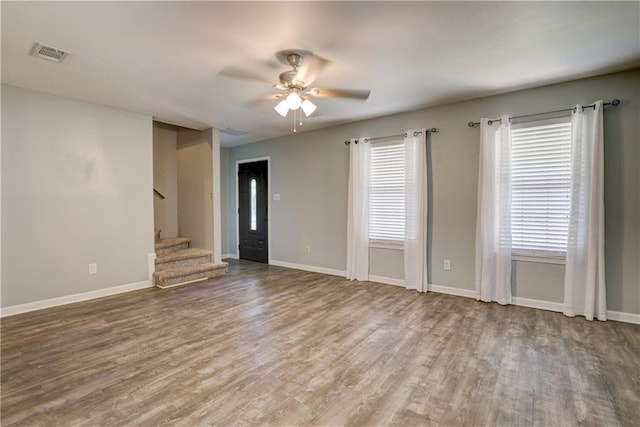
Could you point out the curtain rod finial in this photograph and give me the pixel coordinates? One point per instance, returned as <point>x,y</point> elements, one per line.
<point>434,130</point>
<point>615,102</point>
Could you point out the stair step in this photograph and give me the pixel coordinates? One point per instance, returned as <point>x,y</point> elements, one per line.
<point>192,273</point>
<point>183,258</point>
<point>173,244</point>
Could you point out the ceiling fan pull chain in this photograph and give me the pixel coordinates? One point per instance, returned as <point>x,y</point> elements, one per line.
<point>294,122</point>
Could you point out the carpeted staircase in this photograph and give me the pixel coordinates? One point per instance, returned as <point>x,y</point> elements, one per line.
<point>178,264</point>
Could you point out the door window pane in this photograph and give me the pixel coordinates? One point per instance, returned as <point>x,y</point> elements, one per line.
<point>253,205</point>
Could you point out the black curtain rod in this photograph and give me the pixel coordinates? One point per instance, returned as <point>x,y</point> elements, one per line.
<point>614,102</point>
<point>416,133</point>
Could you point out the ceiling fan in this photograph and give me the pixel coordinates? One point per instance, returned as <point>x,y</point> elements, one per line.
<point>295,84</point>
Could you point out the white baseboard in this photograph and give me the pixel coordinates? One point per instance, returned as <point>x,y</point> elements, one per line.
<point>232,256</point>
<point>311,268</point>
<point>386,280</point>
<point>539,304</point>
<point>467,293</point>
<point>69,299</point>
<point>621,316</point>
<point>617,316</point>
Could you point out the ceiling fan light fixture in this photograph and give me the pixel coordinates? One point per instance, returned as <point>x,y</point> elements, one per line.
<point>282,108</point>
<point>293,101</point>
<point>308,107</point>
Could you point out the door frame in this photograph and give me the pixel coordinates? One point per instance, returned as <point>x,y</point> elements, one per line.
<point>252,160</point>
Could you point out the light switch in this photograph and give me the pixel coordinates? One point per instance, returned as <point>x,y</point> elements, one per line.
<point>276,196</point>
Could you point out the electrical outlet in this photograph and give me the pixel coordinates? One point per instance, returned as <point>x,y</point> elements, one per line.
<point>93,268</point>
<point>307,249</point>
<point>447,264</point>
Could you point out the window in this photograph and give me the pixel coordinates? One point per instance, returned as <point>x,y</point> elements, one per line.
<point>541,185</point>
<point>386,193</point>
<point>254,217</point>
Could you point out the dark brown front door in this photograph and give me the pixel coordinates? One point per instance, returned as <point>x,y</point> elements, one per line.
<point>253,221</point>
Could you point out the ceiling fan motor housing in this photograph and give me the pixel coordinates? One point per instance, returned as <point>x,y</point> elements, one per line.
<point>288,78</point>
<point>294,60</point>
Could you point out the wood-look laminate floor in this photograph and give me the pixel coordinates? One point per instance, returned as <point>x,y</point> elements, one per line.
<point>267,345</point>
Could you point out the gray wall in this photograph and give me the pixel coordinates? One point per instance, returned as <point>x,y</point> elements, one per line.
<point>165,180</point>
<point>76,189</point>
<point>310,175</point>
<point>195,187</point>
<point>310,172</point>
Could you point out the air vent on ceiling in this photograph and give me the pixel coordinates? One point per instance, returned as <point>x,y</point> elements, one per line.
<point>49,53</point>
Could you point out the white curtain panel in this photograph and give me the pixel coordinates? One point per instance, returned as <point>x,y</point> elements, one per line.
<point>493,227</point>
<point>415,238</point>
<point>584,281</point>
<point>358,211</point>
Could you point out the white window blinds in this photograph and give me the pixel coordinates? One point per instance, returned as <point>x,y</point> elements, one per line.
<point>541,180</point>
<point>386,192</point>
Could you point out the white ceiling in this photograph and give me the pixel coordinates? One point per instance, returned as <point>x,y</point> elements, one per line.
<point>164,58</point>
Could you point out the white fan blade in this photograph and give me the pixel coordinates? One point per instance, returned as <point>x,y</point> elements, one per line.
<point>238,73</point>
<point>339,93</point>
<point>310,68</point>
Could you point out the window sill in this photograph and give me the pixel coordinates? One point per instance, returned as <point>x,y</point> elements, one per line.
<point>387,245</point>
<point>540,259</point>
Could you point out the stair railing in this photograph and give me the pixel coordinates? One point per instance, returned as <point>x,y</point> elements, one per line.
<point>159,194</point>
